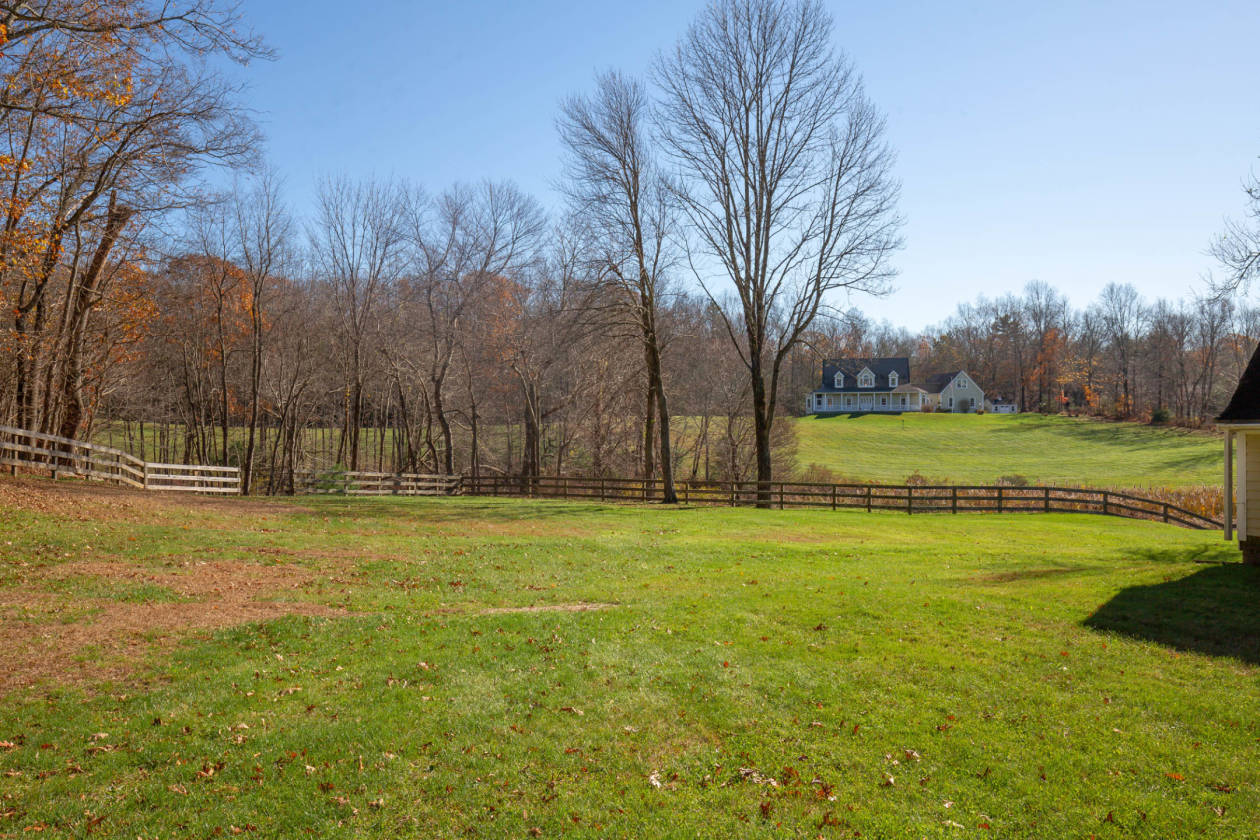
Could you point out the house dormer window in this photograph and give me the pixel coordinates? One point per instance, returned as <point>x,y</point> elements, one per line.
<point>892,379</point>
<point>866,379</point>
<point>839,379</point>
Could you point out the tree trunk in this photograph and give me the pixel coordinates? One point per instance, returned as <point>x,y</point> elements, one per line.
<point>657,387</point>
<point>761,432</point>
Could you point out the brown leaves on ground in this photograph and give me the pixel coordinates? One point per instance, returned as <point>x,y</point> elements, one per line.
<point>118,634</point>
<point>93,501</point>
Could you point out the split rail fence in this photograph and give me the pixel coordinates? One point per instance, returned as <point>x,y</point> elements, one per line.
<point>64,458</point>
<point>905,498</point>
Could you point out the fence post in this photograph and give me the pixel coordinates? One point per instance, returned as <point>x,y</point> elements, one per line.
<point>1106,502</point>
<point>686,492</point>
<point>999,498</point>
<point>1047,492</point>
<point>780,495</point>
<point>833,497</point>
<point>145,473</point>
<point>909,499</point>
<point>1165,512</point>
<point>953,499</point>
<point>733,484</point>
<point>868,498</point>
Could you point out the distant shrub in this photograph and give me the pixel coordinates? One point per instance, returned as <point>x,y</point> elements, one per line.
<point>1160,416</point>
<point>1013,481</point>
<point>331,480</point>
<point>817,474</point>
<point>917,479</point>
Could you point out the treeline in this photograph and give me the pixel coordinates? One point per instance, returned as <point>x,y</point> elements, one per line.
<point>657,323</point>
<point>1121,357</point>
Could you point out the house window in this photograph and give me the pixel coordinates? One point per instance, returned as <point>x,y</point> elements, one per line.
<point>839,379</point>
<point>866,380</point>
<point>951,402</point>
<point>892,380</point>
<point>962,384</point>
<point>820,400</point>
<point>883,400</point>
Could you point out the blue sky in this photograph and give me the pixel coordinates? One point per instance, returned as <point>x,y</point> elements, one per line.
<point>1073,142</point>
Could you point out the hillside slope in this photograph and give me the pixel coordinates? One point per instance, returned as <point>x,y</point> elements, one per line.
<point>982,448</point>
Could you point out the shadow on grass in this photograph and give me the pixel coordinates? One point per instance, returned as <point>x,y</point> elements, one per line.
<point>1215,611</point>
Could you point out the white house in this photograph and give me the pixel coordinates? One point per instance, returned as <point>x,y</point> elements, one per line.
<point>1241,422</point>
<point>885,385</point>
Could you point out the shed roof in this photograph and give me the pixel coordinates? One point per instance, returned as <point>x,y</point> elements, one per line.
<point>1244,406</point>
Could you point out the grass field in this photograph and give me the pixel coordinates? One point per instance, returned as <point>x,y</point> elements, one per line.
<point>980,448</point>
<point>512,668</point>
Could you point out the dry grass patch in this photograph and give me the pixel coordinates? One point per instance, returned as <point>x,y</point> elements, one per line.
<point>48,636</point>
<point>84,501</point>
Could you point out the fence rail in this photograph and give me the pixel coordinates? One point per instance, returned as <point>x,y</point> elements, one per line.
<point>905,498</point>
<point>363,483</point>
<point>65,457</point>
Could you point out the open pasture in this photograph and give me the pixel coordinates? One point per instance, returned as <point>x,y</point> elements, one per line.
<point>476,667</point>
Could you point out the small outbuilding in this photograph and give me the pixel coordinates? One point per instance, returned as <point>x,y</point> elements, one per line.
<point>1241,422</point>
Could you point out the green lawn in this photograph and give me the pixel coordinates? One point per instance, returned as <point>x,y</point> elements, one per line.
<point>741,673</point>
<point>980,448</point>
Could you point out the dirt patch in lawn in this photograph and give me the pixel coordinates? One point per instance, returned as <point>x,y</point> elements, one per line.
<point>89,500</point>
<point>536,608</point>
<point>56,638</point>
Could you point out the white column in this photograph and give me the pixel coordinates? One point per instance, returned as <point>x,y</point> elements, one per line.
<point>1240,488</point>
<point>1229,484</point>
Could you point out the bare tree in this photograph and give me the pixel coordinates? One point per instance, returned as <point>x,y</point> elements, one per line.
<point>613,184</point>
<point>783,173</point>
<point>357,239</point>
<point>263,230</point>
<point>1238,248</point>
<point>470,237</point>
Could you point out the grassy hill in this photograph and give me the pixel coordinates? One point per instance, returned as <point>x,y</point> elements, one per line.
<point>981,448</point>
<point>336,667</point>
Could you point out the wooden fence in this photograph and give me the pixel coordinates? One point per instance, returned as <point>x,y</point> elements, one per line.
<point>20,448</point>
<point>905,498</point>
<point>363,483</point>
<point>64,457</point>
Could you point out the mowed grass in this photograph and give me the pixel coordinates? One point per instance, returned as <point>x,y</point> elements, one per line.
<point>979,449</point>
<point>748,674</point>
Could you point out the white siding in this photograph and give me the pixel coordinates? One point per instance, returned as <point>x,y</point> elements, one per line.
<point>1249,483</point>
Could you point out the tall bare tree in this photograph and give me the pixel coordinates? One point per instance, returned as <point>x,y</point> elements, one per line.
<point>784,174</point>
<point>614,185</point>
<point>358,241</point>
<point>1238,248</point>
<point>463,242</point>
<point>263,231</point>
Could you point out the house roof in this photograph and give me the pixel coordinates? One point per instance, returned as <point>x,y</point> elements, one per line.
<point>881,367</point>
<point>1244,405</point>
<point>936,382</point>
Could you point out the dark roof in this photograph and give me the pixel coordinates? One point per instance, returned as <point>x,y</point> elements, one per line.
<point>1244,406</point>
<point>936,382</point>
<point>881,367</point>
